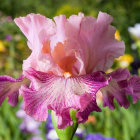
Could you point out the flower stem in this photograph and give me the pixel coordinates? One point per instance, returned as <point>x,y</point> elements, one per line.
<point>68,132</point>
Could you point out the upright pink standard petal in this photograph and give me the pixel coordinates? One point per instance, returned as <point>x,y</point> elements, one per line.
<point>79,45</point>
<point>37,29</point>
<point>99,36</point>
<point>93,41</point>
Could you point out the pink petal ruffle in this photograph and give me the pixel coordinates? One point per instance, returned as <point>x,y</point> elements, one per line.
<point>94,43</point>
<point>88,105</point>
<point>37,29</point>
<point>9,87</point>
<point>134,88</point>
<point>88,44</point>
<point>116,89</point>
<point>48,91</point>
<point>102,46</point>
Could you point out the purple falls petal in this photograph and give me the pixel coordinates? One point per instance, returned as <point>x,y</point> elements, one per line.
<point>9,87</point>
<point>61,94</point>
<point>134,88</point>
<point>116,89</point>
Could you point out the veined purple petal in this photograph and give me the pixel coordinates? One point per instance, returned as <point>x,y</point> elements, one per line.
<point>116,89</point>
<point>63,118</point>
<point>9,87</point>
<point>60,94</point>
<point>88,104</point>
<point>134,88</point>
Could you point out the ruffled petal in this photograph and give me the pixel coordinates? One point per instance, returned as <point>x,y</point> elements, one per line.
<point>79,44</point>
<point>9,87</point>
<point>88,105</point>
<point>37,29</point>
<point>43,62</point>
<point>99,37</point>
<point>74,44</point>
<point>66,58</point>
<point>60,31</point>
<point>60,94</point>
<point>134,88</point>
<point>93,41</point>
<point>116,89</point>
<point>64,119</point>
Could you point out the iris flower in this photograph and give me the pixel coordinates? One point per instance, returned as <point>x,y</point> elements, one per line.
<point>97,137</point>
<point>28,125</point>
<point>67,66</point>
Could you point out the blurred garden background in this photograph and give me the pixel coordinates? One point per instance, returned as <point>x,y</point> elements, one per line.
<point>120,123</point>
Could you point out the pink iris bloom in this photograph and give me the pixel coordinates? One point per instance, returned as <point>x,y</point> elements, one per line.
<point>67,68</point>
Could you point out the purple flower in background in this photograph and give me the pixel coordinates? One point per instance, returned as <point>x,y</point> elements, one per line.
<point>29,124</point>
<point>52,135</point>
<point>36,138</point>
<point>9,18</point>
<point>80,132</point>
<point>8,37</point>
<point>49,124</point>
<point>97,137</point>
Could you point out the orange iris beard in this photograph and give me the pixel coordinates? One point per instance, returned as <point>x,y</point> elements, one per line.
<point>67,74</point>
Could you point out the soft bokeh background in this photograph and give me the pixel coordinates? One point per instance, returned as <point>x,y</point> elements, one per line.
<point>121,124</point>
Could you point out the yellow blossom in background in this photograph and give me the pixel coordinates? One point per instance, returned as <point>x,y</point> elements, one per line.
<point>2,47</point>
<point>125,60</point>
<point>117,35</point>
